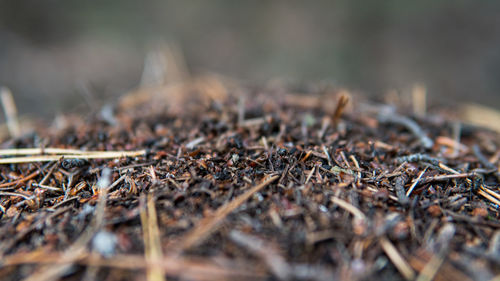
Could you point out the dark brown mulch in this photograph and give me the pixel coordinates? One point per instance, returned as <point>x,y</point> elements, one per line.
<point>271,187</point>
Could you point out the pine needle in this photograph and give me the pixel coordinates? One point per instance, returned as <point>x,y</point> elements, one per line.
<point>82,155</point>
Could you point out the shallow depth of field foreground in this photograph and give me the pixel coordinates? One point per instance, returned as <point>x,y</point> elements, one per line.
<point>211,180</point>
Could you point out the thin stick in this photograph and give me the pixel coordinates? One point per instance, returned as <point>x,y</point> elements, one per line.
<point>96,155</point>
<point>210,224</point>
<point>49,173</point>
<point>116,182</point>
<point>489,197</point>
<point>396,258</point>
<point>490,192</point>
<point>445,177</point>
<point>325,150</point>
<point>415,182</point>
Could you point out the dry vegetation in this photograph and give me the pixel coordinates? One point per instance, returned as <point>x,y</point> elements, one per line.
<point>208,180</point>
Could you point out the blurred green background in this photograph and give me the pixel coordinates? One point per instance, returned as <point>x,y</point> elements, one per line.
<point>52,51</point>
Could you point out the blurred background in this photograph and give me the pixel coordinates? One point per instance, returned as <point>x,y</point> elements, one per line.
<point>55,54</point>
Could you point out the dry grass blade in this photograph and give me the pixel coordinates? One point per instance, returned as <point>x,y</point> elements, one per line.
<point>208,225</point>
<point>268,189</point>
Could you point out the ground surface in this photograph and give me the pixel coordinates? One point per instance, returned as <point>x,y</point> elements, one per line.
<point>274,186</point>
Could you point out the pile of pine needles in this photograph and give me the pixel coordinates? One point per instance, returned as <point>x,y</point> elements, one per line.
<point>208,180</point>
